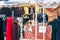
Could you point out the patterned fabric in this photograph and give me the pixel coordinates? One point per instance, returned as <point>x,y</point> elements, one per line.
<point>31,35</point>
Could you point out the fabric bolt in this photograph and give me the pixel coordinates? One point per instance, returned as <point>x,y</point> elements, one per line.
<point>9,28</point>
<point>1,29</point>
<point>15,30</point>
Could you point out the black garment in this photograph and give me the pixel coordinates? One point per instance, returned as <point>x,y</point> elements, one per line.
<point>40,17</point>
<point>30,17</point>
<point>46,16</point>
<point>16,11</point>
<point>56,29</point>
<point>1,29</point>
<point>25,20</point>
<point>50,23</point>
<point>6,11</point>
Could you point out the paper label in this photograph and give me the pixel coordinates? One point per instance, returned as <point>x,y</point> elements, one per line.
<point>30,29</point>
<point>42,29</point>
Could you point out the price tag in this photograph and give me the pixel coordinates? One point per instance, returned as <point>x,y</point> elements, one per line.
<point>30,29</point>
<point>42,29</point>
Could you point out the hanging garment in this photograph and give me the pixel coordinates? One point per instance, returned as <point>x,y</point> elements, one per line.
<point>27,17</point>
<point>30,17</point>
<point>15,31</point>
<point>6,11</point>
<point>21,31</point>
<point>22,11</point>
<point>20,22</point>
<point>40,17</point>
<point>16,11</point>
<point>33,10</point>
<point>56,29</point>
<point>1,29</point>
<point>9,28</point>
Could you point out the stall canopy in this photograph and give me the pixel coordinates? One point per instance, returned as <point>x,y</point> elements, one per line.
<point>47,3</point>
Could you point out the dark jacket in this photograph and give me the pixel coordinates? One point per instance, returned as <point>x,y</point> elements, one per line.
<point>56,29</point>
<point>6,11</point>
<point>1,29</point>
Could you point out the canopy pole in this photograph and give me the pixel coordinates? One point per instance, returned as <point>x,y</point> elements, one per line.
<point>43,21</point>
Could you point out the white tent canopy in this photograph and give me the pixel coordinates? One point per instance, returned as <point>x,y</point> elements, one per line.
<point>22,1</point>
<point>40,2</point>
<point>2,3</point>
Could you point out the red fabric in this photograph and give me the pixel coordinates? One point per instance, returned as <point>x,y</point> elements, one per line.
<point>31,35</point>
<point>9,28</point>
<point>28,34</point>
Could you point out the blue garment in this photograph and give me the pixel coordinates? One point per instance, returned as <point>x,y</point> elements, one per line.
<point>56,29</point>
